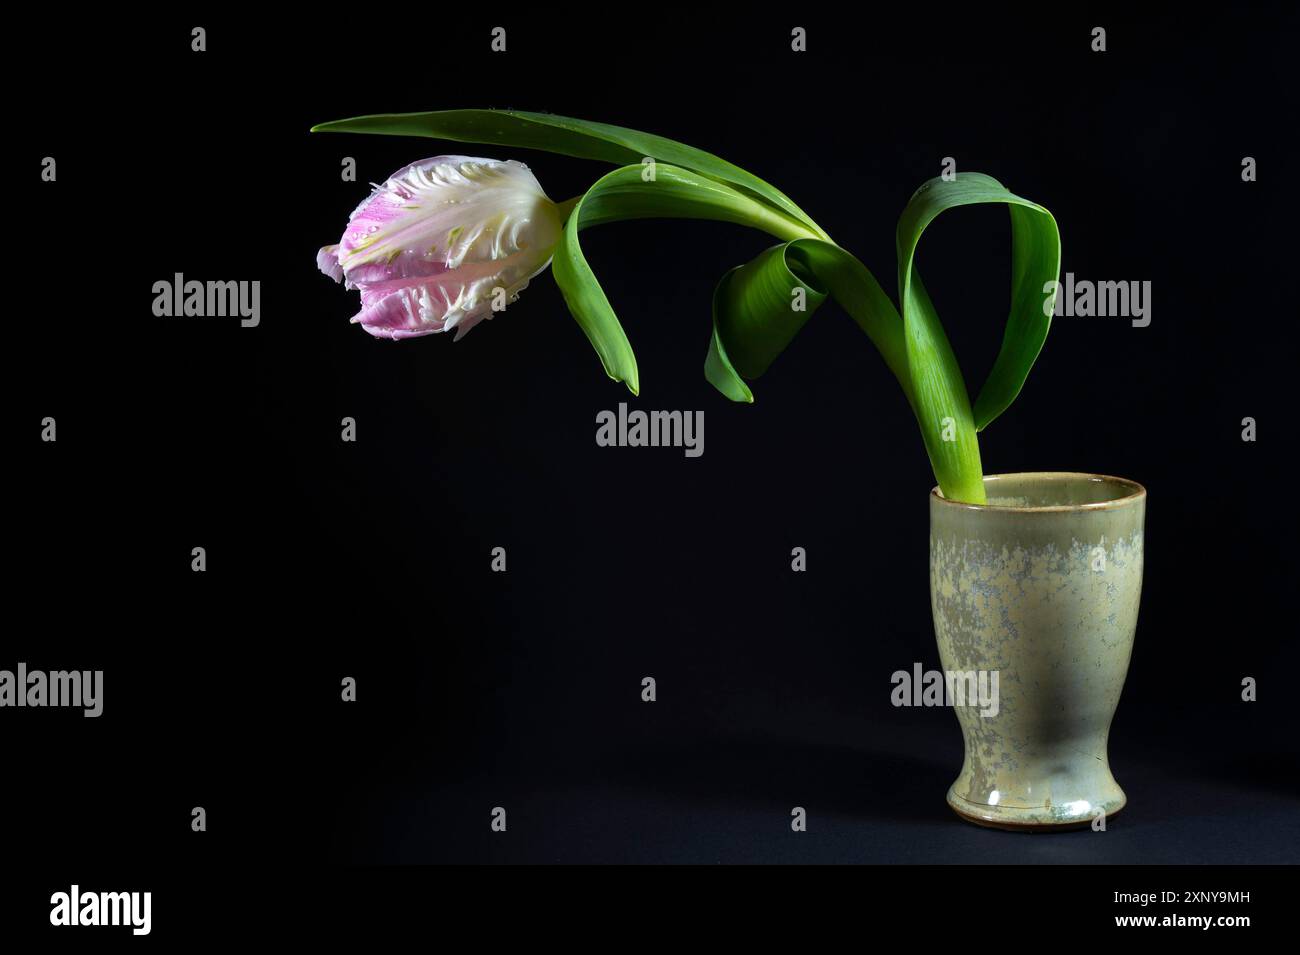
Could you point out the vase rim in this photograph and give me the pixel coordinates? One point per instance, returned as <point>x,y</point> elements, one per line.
<point>1133,492</point>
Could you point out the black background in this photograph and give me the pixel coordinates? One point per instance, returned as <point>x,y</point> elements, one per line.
<point>522,689</point>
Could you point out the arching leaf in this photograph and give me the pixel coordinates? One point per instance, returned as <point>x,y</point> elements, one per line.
<point>569,137</point>
<point>1035,261</point>
<point>628,193</point>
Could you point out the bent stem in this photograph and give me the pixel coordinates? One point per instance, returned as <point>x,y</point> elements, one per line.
<point>565,208</point>
<point>938,400</point>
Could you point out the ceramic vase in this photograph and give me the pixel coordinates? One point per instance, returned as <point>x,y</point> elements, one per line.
<point>1036,592</point>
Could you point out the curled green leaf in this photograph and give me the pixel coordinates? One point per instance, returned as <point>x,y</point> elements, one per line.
<point>759,307</point>
<point>633,192</point>
<point>1035,261</point>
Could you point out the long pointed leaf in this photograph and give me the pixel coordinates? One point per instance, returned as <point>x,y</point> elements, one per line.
<point>1035,261</point>
<point>568,137</point>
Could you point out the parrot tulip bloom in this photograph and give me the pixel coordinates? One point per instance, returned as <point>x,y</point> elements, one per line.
<point>431,247</point>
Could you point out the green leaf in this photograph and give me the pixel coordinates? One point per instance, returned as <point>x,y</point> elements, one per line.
<point>754,321</point>
<point>757,310</point>
<point>569,137</point>
<point>1035,261</point>
<point>717,365</point>
<point>628,193</point>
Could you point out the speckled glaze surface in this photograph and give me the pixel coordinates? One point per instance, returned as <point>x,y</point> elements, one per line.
<point>1040,585</point>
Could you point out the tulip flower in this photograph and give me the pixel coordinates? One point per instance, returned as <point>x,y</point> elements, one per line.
<point>441,243</point>
<point>436,241</point>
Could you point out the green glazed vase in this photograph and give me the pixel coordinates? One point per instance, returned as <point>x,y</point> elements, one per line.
<point>1038,589</point>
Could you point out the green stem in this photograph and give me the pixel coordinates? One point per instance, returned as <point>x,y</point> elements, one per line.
<point>939,400</point>
<point>565,208</point>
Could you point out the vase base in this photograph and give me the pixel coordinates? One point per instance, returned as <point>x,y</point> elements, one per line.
<point>1022,820</point>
